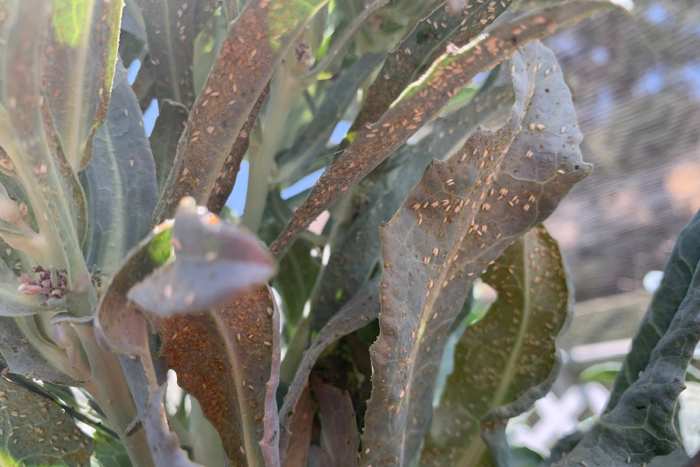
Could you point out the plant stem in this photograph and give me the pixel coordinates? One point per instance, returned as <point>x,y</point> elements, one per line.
<point>285,90</point>
<point>111,391</point>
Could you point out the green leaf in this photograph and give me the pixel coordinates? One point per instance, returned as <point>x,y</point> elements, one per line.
<point>354,259</point>
<point>312,141</point>
<point>423,101</point>
<point>460,217</point>
<point>301,426</point>
<point>425,44</point>
<point>32,357</point>
<point>122,181</point>
<point>506,361</point>
<point>166,133</point>
<point>359,311</point>
<point>28,137</point>
<point>171,28</point>
<point>81,50</point>
<point>339,436</point>
<point>229,360</point>
<point>641,425</point>
<point>214,263</point>
<point>35,432</point>
<point>676,282</point>
<point>109,452</point>
<point>239,75</point>
<point>601,372</point>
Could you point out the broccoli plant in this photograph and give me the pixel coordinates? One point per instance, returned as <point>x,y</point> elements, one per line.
<point>143,323</point>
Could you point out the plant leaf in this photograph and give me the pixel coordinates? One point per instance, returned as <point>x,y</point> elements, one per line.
<point>121,179</point>
<point>26,355</point>
<point>641,425</point>
<point>676,282</point>
<point>428,40</point>
<point>339,436</point>
<point>301,425</point>
<point>462,215</point>
<point>506,361</point>
<point>356,256</point>
<point>35,432</point>
<point>357,313</point>
<point>312,141</point>
<point>423,101</point>
<point>171,28</point>
<point>215,262</point>
<point>223,186</point>
<point>166,133</point>
<point>109,452</point>
<point>225,359</point>
<point>28,137</point>
<point>241,71</point>
<point>81,52</point>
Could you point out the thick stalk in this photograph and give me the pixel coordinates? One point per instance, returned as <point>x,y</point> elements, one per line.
<point>285,90</point>
<point>111,391</point>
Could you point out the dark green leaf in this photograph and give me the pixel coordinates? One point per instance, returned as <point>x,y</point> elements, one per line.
<point>78,71</point>
<point>461,216</point>
<point>506,361</point>
<point>678,274</point>
<point>423,101</point>
<point>359,311</point>
<point>215,262</point>
<point>239,75</point>
<point>165,136</point>
<point>312,141</point>
<point>425,44</point>
<point>641,425</point>
<point>121,179</point>
<point>35,432</point>
<point>109,452</point>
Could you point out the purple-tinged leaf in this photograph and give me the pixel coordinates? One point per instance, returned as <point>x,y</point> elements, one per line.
<point>356,314</point>
<point>460,217</point>
<point>300,428</point>
<point>423,101</point>
<point>240,73</point>
<point>214,262</point>
<point>339,436</point>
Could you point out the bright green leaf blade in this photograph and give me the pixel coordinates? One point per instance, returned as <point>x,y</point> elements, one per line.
<point>229,360</point>
<point>420,49</point>
<point>241,71</point>
<point>356,314</point>
<point>214,263</point>
<point>641,426</point>
<point>676,282</point>
<point>462,215</point>
<point>121,179</point>
<point>109,452</point>
<point>28,136</point>
<point>423,101</point>
<point>339,436</point>
<point>165,136</point>
<point>312,141</point>
<point>601,372</point>
<point>81,51</point>
<point>36,433</point>
<point>506,361</point>
<point>354,259</point>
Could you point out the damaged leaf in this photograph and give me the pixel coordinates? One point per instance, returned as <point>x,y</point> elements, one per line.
<point>460,217</point>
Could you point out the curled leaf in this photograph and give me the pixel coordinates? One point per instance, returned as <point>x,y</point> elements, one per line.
<point>214,262</point>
